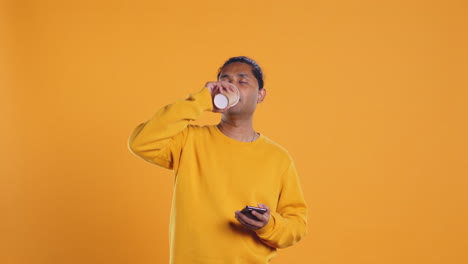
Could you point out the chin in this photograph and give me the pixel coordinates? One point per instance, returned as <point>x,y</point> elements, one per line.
<point>231,112</point>
<point>233,109</point>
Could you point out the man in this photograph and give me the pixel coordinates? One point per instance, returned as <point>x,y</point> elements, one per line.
<point>219,169</point>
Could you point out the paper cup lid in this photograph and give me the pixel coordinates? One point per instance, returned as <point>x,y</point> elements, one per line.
<point>221,101</point>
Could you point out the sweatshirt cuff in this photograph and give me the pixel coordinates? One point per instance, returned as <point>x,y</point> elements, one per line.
<point>268,228</point>
<point>203,97</point>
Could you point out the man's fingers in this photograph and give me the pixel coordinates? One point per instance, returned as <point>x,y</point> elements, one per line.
<point>260,216</point>
<point>211,86</point>
<point>246,219</point>
<point>243,219</point>
<point>227,87</point>
<point>220,87</point>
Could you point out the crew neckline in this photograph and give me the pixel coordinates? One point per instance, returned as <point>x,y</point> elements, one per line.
<point>237,141</point>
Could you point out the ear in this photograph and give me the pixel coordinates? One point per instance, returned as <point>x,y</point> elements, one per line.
<point>261,95</point>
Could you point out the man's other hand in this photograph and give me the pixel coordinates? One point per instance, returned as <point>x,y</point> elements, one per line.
<point>251,223</point>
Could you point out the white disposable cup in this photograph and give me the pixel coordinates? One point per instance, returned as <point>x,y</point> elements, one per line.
<point>225,100</point>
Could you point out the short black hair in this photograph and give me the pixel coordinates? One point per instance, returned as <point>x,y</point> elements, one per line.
<point>256,70</point>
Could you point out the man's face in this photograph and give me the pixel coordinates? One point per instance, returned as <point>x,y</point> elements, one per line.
<point>240,74</point>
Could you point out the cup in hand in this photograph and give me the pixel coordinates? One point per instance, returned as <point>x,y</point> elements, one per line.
<point>224,98</point>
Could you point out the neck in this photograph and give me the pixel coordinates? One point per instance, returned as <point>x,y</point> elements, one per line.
<point>238,129</point>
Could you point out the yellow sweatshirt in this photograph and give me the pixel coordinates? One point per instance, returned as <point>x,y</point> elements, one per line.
<point>215,176</point>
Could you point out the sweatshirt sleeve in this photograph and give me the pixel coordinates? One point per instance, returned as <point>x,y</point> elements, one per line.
<point>288,225</point>
<point>161,139</point>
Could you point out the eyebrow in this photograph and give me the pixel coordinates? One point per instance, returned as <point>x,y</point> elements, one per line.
<point>240,74</point>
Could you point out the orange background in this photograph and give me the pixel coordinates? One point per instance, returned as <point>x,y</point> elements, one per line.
<point>370,98</point>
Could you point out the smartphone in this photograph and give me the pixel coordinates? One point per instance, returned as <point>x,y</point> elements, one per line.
<point>247,211</point>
